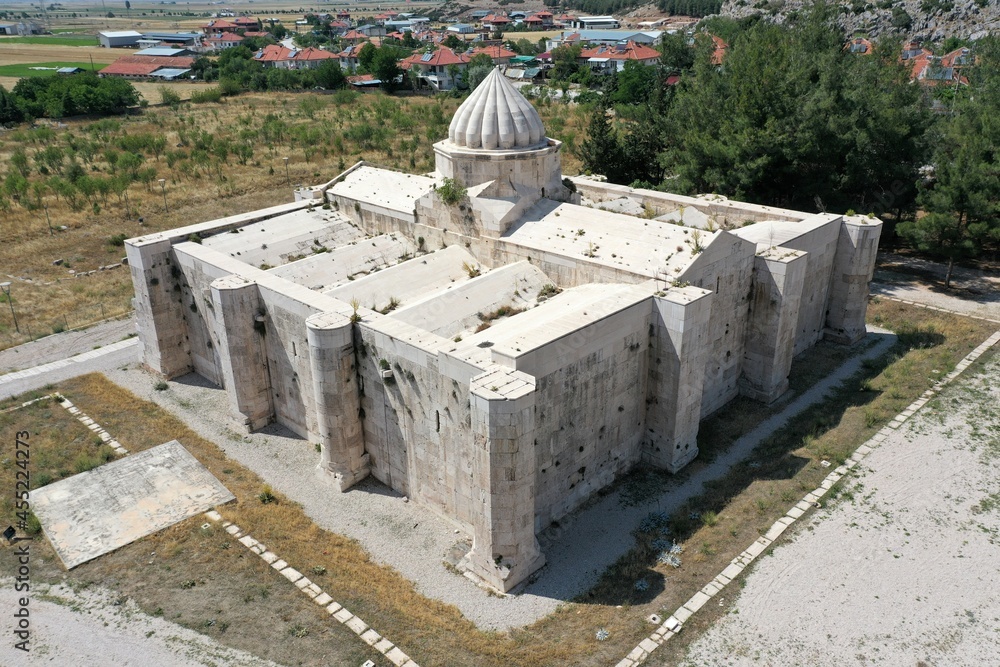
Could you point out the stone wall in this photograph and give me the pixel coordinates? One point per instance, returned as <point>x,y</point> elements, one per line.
<point>725,267</point>
<point>417,420</point>
<point>591,392</point>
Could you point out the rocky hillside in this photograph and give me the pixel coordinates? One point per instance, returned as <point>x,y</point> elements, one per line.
<point>919,19</point>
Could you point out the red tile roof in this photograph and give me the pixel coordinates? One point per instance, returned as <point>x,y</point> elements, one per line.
<point>720,50</point>
<point>494,18</point>
<point>313,54</point>
<point>629,51</point>
<point>246,21</point>
<point>255,33</point>
<point>225,37</point>
<point>219,24</point>
<point>145,65</point>
<point>354,34</point>
<point>273,53</point>
<point>442,56</point>
<point>496,52</point>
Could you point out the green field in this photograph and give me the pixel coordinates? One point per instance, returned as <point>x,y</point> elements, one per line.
<point>25,69</point>
<point>55,40</point>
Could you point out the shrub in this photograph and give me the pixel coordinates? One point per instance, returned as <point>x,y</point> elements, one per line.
<point>118,240</point>
<point>451,192</point>
<point>208,95</point>
<point>169,97</point>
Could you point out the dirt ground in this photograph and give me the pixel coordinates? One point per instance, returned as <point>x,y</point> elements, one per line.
<point>901,568</point>
<point>972,291</point>
<point>65,621</point>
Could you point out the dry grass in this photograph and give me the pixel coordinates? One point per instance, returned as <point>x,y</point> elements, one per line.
<point>60,446</point>
<point>432,632</point>
<point>14,54</point>
<point>332,136</point>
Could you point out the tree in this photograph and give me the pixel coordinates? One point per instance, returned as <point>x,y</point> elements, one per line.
<point>675,53</point>
<point>10,112</point>
<point>385,67</point>
<point>366,55</point>
<point>330,76</point>
<point>479,67</point>
<point>962,200</point>
<point>565,61</point>
<point>634,83</point>
<point>601,153</point>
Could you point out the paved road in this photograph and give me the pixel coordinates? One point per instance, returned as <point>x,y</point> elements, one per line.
<point>105,358</point>
<point>63,345</point>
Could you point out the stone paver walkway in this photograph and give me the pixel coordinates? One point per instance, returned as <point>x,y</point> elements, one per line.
<point>367,634</point>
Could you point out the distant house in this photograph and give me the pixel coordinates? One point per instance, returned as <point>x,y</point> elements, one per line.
<point>371,30</point>
<point>533,22</point>
<point>219,25</point>
<point>354,37</point>
<point>499,54</point>
<point>247,22</point>
<point>596,23</point>
<point>277,55</point>
<point>860,46</point>
<point>349,57</point>
<point>461,29</point>
<point>608,37</point>
<point>67,71</point>
<point>222,40</point>
<point>117,39</point>
<point>930,70</point>
<point>495,22</point>
<point>438,69</point>
<point>613,58</point>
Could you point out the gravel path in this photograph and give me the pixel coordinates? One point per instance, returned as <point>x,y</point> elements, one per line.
<point>66,344</point>
<point>88,629</point>
<point>411,538</point>
<point>902,573</point>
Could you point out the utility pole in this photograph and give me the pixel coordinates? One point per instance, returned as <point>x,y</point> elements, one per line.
<point>5,287</point>
<point>287,180</point>
<point>163,188</point>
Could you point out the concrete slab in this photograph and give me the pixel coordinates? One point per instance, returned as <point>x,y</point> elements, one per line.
<point>647,247</point>
<point>277,240</point>
<point>88,515</point>
<point>387,189</point>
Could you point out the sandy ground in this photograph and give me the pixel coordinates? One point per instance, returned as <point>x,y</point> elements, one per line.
<point>972,292</point>
<point>903,573</point>
<point>90,628</point>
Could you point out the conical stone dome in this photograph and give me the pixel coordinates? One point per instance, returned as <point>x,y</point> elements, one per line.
<point>496,116</point>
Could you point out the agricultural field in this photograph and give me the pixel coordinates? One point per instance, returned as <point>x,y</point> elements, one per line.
<point>53,40</point>
<point>96,178</point>
<point>40,69</point>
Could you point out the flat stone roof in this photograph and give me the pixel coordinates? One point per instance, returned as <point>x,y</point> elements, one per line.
<point>276,240</point>
<point>551,320</point>
<point>328,269</point>
<point>456,309</point>
<point>768,233</point>
<point>382,187</point>
<point>645,247</point>
<point>409,281</point>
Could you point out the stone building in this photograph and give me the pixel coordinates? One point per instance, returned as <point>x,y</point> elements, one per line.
<point>488,346</point>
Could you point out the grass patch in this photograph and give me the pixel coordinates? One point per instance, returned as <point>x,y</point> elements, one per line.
<point>54,40</point>
<point>32,69</point>
<point>60,446</point>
